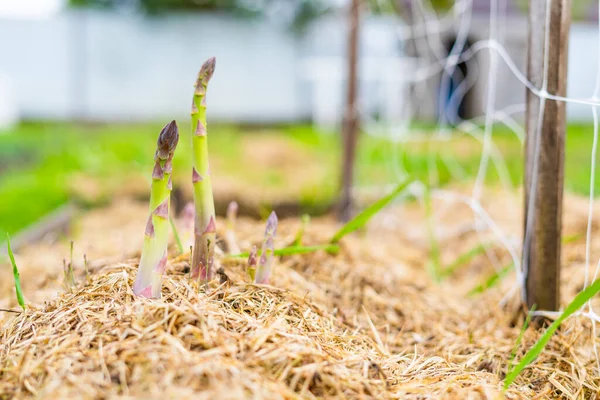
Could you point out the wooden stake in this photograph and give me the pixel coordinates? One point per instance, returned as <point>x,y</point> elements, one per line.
<point>546,134</point>
<point>350,124</point>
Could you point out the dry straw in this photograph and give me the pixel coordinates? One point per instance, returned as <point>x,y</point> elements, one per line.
<point>366,323</point>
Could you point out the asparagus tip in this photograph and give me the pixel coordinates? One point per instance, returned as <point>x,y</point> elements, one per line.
<point>272,221</point>
<point>167,140</point>
<point>252,260</point>
<point>232,209</point>
<point>206,71</point>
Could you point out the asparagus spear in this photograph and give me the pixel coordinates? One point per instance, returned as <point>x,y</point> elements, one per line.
<point>154,252</point>
<point>252,261</point>
<point>205,228</point>
<point>263,272</point>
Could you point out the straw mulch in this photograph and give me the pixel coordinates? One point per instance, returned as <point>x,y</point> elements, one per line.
<point>366,323</point>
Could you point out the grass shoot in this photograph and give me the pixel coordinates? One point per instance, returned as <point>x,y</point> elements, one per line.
<point>176,235</point>
<point>539,346</point>
<point>365,216</point>
<point>68,272</point>
<point>16,275</point>
<point>294,250</point>
<point>300,234</point>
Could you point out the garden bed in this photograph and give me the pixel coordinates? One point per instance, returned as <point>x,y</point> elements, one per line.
<point>368,322</point>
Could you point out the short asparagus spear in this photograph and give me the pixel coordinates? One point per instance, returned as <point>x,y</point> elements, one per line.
<point>230,239</point>
<point>263,272</point>
<point>204,224</point>
<point>252,261</point>
<point>154,252</point>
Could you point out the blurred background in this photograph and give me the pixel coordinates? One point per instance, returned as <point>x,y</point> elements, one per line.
<point>86,85</point>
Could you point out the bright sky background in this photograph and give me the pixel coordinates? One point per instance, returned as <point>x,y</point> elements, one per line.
<point>29,8</point>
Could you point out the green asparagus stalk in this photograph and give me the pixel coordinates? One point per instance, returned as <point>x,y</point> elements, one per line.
<point>263,272</point>
<point>154,252</point>
<point>252,261</point>
<point>205,228</point>
<point>230,239</point>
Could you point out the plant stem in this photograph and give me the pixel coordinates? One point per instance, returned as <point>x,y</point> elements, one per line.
<point>205,228</point>
<point>154,252</point>
<point>263,272</point>
<point>252,261</point>
<point>16,275</point>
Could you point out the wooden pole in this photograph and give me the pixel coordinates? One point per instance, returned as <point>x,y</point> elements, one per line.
<point>544,172</point>
<point>350,124</point>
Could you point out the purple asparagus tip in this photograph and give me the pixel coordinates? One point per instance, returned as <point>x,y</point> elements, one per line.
<point>252,260</point>
<point>232,210</point>
<point>167,140</point>
<point>271,228</point>
<point>206,72</point>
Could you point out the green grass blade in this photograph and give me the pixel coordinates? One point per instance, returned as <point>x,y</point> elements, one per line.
<point>291,250</point>
<point>16,275</point>
<point>497,276</point>
<point>513,354</point>
<point>492,280</point>
<point>571,238</point>
<point>300,233</point>
<point>362,218</point>
<point>176,234</point>
<point>463,259</point>
<point>538,347</point>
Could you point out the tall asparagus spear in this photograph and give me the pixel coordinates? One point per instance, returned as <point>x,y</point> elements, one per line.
<point>154,252</point>
<point>205,228</point>
<point>263,272</point>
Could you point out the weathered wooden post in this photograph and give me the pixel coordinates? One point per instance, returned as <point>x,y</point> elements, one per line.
<point>546,133</point>
<point>350,123</point>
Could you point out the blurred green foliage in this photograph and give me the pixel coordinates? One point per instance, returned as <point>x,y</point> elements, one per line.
<point>298,12</point>
<point>41,163</point>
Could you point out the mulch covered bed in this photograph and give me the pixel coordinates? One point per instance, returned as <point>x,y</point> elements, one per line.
<point>368,322</point>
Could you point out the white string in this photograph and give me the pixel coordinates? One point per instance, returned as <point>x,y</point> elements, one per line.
<point>436,64</point>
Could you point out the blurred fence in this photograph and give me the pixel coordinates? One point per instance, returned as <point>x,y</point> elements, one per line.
<point>107,66</point>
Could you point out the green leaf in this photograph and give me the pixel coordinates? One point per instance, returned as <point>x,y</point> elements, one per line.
<point>463,259</point>
<point>539,346</point>
<point>291,250</point>
<point>492,280</point>
<point>362,218</point>
<point>497,276</point>
<point>300,233</point>
<point>513,354</point>
<point>16,275</point>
